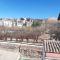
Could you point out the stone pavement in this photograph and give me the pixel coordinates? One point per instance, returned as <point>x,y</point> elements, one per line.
<point>10,50</point>
<point>8,55</point>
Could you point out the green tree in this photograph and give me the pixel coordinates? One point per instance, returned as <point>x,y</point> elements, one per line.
<point>36,24</point>
<point>22,18</point>
<point>59,17</point>
<point>28,19</point>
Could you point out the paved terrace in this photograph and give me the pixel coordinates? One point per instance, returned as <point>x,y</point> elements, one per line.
<point>8,55</point>
<point>11,50</point>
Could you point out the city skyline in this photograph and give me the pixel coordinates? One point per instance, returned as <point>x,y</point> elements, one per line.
<point>29,8</point>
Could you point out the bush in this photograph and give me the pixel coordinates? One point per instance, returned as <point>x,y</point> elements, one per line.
<point>59,17</point>
<point>36,24</point>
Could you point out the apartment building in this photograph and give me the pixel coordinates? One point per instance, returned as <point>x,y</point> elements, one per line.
<point>29,23</point>
<point>6,22</point>
<point>1,23</point>
<point>20,23</point>
<point>14,22</point>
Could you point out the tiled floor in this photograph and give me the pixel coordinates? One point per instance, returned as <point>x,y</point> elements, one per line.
<point>8,55</point>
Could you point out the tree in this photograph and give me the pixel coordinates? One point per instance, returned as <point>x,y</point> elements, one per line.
<point>0,18</point>
<point>28,19</point>
<point>22,18</point>
<point>59,17</point>
<point>36,24</point>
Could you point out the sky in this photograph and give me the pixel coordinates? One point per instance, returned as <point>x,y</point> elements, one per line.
<point>29,8</point>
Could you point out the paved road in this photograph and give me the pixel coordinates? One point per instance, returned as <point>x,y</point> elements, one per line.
<point>8,55</point>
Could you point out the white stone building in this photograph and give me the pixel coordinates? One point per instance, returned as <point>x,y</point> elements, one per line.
<point>7,22</point>
<point>19,23</point>
<point>29,23</point>
<point>1,23</point>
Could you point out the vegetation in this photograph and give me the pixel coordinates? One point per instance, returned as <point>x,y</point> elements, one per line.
<point>22,18</point>
<point>36,24</point>
<point>59,17</point>
<point>28,19</point>
<point>56,32</point>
